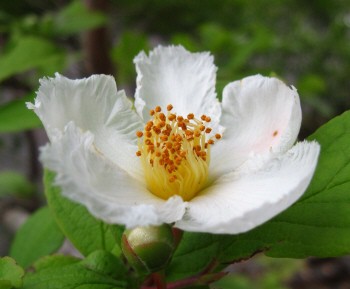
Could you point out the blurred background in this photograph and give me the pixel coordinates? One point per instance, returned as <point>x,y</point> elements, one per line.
<point>305,43</point>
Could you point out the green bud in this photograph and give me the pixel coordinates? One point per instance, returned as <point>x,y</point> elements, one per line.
<point>148,249</point>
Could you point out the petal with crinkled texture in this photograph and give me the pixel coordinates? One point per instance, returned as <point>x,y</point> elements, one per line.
<point>260,114</point>
<point>238,202</point>
<point>94,105</point>
<point>107,191</point>
<point>172,75</point>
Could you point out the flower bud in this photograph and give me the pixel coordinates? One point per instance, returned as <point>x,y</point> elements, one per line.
<point>148,249</point>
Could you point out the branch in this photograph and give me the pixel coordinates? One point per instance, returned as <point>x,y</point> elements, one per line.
<point>97,43</point>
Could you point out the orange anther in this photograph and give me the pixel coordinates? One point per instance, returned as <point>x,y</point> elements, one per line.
<point>218,136</point>
<point>169,107</point>
<point>156,130</point>
<point>139,133</point>
<point>166,132</point>
<point>208,130</point>
<point>138,153</point>
<point>148,134</point>
<point>190,116</point>
<point>203,117</point>
<point>208,119</point>
<point>171,117</point>
<point>180,118</point>
<point>162,116</point>
<point>201,127</point>
<point>158,109</point>
<point>210,142</point>
<point>151,112</point>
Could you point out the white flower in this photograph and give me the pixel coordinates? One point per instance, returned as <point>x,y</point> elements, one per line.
<point>245,178</point>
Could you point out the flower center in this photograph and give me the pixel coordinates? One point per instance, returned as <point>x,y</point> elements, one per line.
<point>175,153</point>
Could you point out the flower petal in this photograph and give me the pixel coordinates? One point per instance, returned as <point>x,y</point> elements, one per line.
<point>238,202</point>
<point>174,75</point>
<point>107,191</point>
<point>95,105</point>
<point>260,114</point>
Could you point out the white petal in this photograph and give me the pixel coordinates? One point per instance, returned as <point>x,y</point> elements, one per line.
<point>239,202</point>
<point>93,104</point>
<point>107,191</point>
<point>174,75</point>
<point>260,114</point>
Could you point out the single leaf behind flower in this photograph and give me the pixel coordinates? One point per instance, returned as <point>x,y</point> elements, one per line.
<point>85,232</point>
<point>318,224</point>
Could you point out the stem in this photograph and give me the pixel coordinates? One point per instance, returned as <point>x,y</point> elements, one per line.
<point>194,281</point>
<point>159,279</point>
<point>177,233</point>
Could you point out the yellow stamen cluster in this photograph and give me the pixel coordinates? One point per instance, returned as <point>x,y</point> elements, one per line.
<point>175,153</point>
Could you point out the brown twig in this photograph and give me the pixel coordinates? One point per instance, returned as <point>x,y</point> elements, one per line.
<point>34,165</point>
<point>97,44</point>
<point>196,280</point>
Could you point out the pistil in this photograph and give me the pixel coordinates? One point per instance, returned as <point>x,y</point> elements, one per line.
<point>175,153</point>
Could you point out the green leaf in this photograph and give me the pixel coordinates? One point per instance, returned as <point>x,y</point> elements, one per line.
<point>76,18</point>
<point>318,224</point>
<point>54,261</point>
<point>195,252</point>
<point>15,116</point>
<point>13,183</point>
<point>39,236</point>
<point>97,271</point>
<point>85,232</point>
<point>10,273</point>
<point>27,53</point>
<point>105,263</point>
